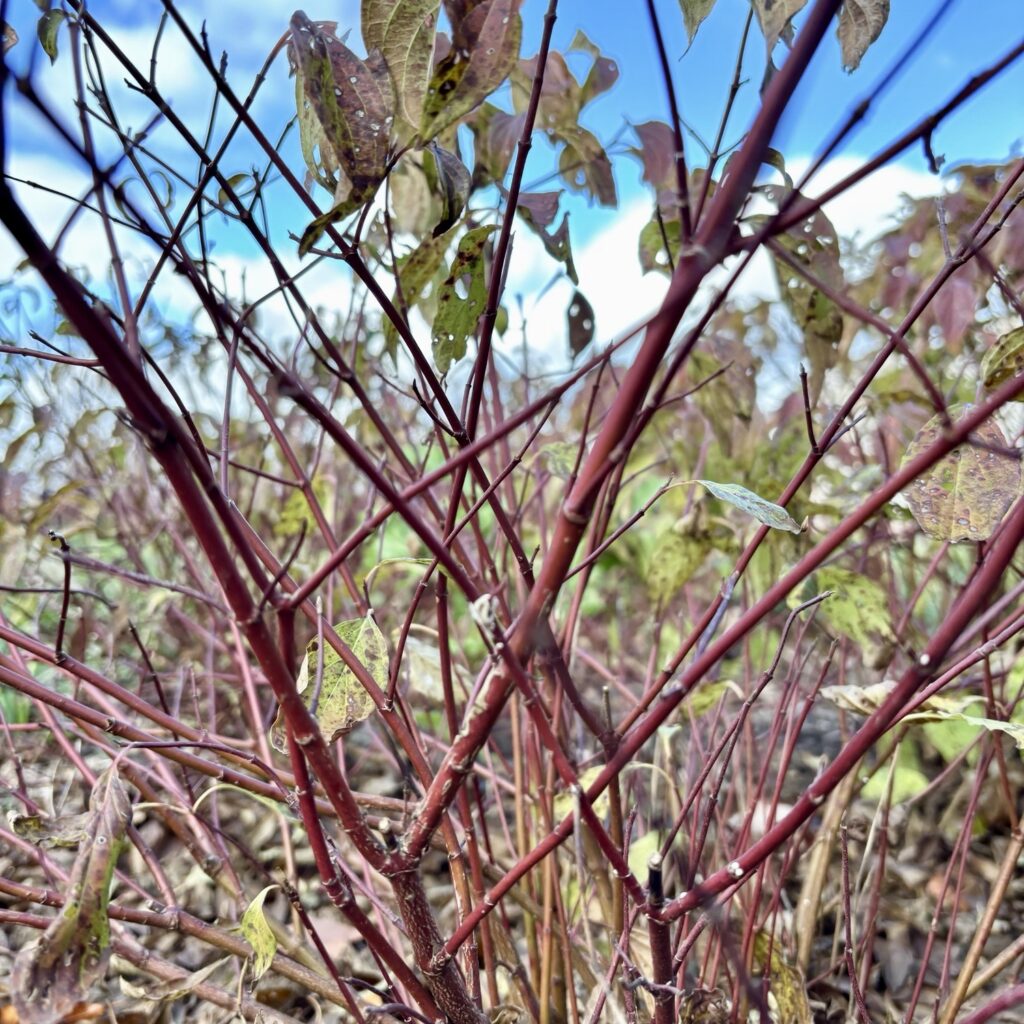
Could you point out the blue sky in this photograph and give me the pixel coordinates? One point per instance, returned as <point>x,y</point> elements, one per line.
<point>970,37</point>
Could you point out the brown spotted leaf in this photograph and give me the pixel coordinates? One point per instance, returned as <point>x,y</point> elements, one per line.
<point>465,77</point>
<point>860,24</point>
<point>350,100</point>
<point>342,701</point>
<point>963,496</point>
<point>51,976</point>
<point>461,299</point>
<point>403,31</point>
<point>1004,360</point>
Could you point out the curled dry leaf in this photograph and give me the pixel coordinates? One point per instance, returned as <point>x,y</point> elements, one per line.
<point>963,496</point>
<point>52,976</point>
<point>860,24</point>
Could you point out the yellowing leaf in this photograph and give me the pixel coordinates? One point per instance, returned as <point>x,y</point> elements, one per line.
<point>860,24</point>
<point>672,561</point>
<point>257,932</point>
<point>343,701</point>
<point>787,990</point>
<point>565,802</point>
<point>403,31</point>
<point>1004,360</point>
<point>763,511</point>
<point>640,852</point>
<point>964,495</point>
<point>858,606</point>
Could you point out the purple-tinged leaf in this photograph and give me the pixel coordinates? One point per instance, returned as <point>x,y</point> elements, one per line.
<point>403,31</point>
<point>467,76</point>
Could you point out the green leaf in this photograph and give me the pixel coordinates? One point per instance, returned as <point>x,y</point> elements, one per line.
<point>774,16</point>
<point>457,314</point>
<point>694,12</point>
<point>560,457</point>
<point>448,176</point>
<point>641,851</point>
<point>907,777</point>
<point>673,559</point>
<point>582,324</point>
<point>234,183</point>
<point>858,607</point>
<point>256,930</point>
<point>584,166</point>
<point>814,244</point>
<point>460,83</point>
<point>653,253</point>
<point>415,272</point>
<point>54,974</point>
<point>1004,360</point>
<point>403,31</point>
<point>47,29</point>
<point>860,24</point>
<point>963,496</point>
<point>763,511</point>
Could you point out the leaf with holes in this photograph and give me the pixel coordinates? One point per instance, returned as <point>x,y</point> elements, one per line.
<point>256,930</point>
<point>860,24</point>
<point>963,496</point>
<point>584,167</point>
<point>461,299</point>
<point>349,113</point>
<point>582,324</point>
<point>56,973</point>
<point>660,243</point>
<point>1004,360</point>
<point>466,77</point>
<point>403,31</point>
<point>762,510</point>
